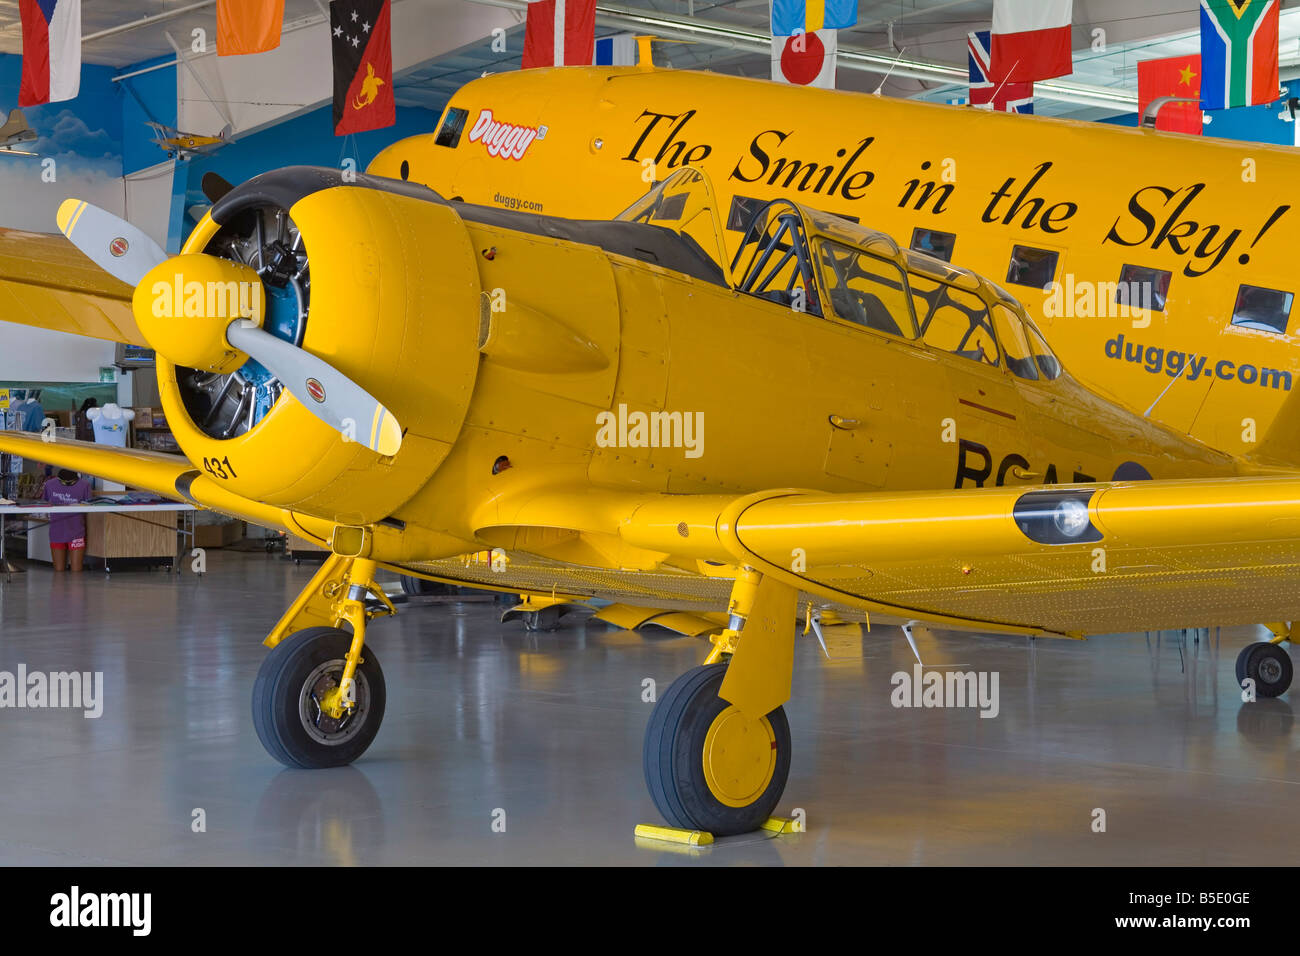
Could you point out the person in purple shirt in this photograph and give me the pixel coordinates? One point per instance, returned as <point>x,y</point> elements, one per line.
<point>67,531</point>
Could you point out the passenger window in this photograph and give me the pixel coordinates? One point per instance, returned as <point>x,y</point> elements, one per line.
<point>452,125</point>
<point>1015,345</point>
<point>741,212</point>
<point>1143,288</point>
<point>958,322</point>
<point>1032,267</point>
<point>866,290</point>
<point>1267,310</point>
<point>934,243</point>
<point>1049,366</point>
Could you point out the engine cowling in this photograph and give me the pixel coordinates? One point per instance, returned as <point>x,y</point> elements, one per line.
<point>378,279</point>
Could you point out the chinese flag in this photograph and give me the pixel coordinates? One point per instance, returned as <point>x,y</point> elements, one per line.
<point>362,45</point>
<point>1172,76</point>
<point>248,26</point>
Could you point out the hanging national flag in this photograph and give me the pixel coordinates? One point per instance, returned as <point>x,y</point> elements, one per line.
<point>805,59</point>
<point>1239,53</point>
<point>361,39</point>
<point>560,33</point>
<point>808,16</point>
<point>1172,76</point>
<point>987,92</point>
<point>51,51</point>
<point>617,50</point>
<point>248,26</point>
<point>1031,39</point>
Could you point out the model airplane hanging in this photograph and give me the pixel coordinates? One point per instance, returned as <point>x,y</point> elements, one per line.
<point>185,145</point>
<point>842,395</point>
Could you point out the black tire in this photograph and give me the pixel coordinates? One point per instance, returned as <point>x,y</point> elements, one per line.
<point>282,702</point>
<point>673,757</point>
<point>1268,665</point>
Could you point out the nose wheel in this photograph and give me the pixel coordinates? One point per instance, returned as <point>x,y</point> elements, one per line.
<point>709,766</point>
<point>1268,665</point>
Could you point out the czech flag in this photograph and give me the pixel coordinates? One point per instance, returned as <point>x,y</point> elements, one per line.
<point>560,33</point>
<point>1239,52</point>
<point>808,16</point>
<point>51,51</point>
<point>1031,40</point>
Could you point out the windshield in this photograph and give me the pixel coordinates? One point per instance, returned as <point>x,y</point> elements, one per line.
<point>685,204</point>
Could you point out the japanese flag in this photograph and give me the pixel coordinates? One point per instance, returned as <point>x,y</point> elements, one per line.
<point>805,59</point>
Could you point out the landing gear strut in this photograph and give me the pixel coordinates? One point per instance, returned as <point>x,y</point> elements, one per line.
<point>318,700</point>
<point>717,748</point>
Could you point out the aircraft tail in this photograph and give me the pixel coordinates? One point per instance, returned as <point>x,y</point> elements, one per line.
<point>15,124</point>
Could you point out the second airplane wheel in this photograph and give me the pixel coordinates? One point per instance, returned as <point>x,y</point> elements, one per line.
<point>707,765</point>
<point>1268,665</point>
<point>294,678</point>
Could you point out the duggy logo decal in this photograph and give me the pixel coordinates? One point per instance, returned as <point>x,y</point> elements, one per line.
<point>504,140</point>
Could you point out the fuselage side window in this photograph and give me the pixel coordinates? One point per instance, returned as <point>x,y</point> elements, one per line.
<point>1035,268</point>
<point>741,212</point>
<point>1267,310</point>
<point>866,290</point>
<point>452,126</point>
<point>1015,344</point>
<point>955,321</point>
<point>934,243</point>
<point>1143,288</point>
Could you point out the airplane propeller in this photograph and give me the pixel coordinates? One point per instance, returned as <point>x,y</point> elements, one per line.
<point>128,254</point>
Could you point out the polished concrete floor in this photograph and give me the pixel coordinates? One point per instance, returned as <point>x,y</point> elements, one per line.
<point>486,722</point>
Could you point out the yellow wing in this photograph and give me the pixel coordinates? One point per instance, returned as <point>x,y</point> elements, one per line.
<point>1143,556</point>
<point>171,476</point>
<point>46,282</point>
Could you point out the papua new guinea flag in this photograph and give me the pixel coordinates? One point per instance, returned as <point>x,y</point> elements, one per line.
<point>51,51</point>
<point>361,41</point>
<point>1238,53</point>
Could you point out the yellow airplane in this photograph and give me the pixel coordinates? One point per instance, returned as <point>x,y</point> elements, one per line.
<point>1166,257</point>
<point>184,145</point>
<point>622,409</point>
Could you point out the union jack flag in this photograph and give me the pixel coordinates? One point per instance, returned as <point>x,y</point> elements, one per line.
<point>988,93</point>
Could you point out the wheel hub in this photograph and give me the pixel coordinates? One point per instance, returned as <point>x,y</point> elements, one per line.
<point>739,757</point>
<point>1270,670</point>
<point>319,691</point>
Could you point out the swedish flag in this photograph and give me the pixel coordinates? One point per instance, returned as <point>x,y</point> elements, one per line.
<point>804,16</point>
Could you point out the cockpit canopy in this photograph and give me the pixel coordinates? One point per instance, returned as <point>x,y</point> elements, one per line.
<point>818,263</point>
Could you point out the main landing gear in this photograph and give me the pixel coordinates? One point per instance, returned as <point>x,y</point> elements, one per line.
<point>717,749</point>
<point>707,765</point>
<point>318,699</point>
<point>1267,663</point>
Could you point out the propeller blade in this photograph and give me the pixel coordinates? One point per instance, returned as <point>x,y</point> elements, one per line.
<point>215,186</point>
<point>326,392</point>
<point>113,244</point>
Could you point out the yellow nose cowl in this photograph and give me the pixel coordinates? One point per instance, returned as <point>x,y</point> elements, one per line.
<point>183,307</point>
